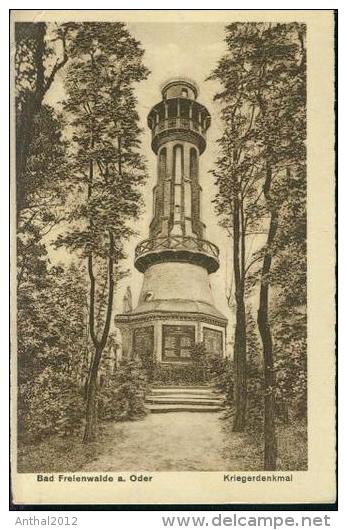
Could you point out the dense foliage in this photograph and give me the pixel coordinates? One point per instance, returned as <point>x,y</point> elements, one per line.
<point>123,394</point>
<point>52,349</point>
<point>106,171</point>
<point>178,374</point>
<point>78,174</point>
<point>261,200</point>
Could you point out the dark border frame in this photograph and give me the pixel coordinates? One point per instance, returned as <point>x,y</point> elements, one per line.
<point>206,507</point>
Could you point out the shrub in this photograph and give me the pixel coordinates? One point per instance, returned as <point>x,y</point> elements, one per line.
<point>222,376</point>
<point>291,383</point>
<point>194,372</point>
<point>148,364</point>
<point>52,403</point>
<point>177,374</point>
<point>122,397</point>
<point>202,368</point>
<point>201,361</point>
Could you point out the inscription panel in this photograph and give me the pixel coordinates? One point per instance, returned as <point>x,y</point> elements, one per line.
<point>177,341</point>
<point>213,340</point>
<point>143,341</point>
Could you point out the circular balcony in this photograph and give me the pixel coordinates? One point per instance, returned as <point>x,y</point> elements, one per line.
<point>179,118</point>
<point>184,249</point>
<point>187,128</point>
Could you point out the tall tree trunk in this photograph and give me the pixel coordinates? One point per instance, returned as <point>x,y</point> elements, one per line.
<point>91,408</point>
<point>270,441</point>
<point>240,375</point>
<point>240,393</point>
<point>99,345</point>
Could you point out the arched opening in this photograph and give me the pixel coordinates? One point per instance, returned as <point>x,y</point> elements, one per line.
<point>178,168</point>
<point>195,195</point>
<point>162,164</point>
<point>193,165</point>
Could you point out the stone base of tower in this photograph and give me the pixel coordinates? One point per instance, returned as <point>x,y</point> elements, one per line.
<point>175,310</point>
<point>169,337</point>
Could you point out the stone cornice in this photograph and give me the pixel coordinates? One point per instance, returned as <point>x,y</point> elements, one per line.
<point>167,315</point>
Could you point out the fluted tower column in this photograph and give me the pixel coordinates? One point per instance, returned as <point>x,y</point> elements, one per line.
<point>178,124</point>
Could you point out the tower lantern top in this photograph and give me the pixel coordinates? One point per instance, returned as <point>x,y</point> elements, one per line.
<point>179,116</point>
<point>179,87</point>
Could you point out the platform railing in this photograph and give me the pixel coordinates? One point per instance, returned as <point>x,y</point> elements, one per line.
<point>175,242</point>
<point>178,123</point>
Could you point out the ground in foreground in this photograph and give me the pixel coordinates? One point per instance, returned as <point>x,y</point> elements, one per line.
<point>180,441</point>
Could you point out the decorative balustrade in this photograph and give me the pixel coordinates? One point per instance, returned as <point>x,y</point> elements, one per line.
<point>178,123</point>
<point>180,248</point>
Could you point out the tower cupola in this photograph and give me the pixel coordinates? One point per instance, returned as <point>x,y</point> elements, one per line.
<point>179,113</point>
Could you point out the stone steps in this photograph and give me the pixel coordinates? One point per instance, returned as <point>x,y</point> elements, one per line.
<point>191,388</point>
<point>184,399</point>
<point>155,409</point>
<point>182,392</point>
<point>186,394</point>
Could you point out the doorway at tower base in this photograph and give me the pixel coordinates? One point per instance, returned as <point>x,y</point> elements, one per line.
<point>168,340</point>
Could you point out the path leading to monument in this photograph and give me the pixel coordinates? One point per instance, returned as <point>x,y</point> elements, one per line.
<point>181,441</point>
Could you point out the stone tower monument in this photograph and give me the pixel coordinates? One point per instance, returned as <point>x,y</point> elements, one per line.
<point>175,307</point>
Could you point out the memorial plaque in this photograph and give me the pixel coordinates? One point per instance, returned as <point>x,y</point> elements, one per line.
<point>213,340</point>
<point>177,341</point>
<point>143,341</point>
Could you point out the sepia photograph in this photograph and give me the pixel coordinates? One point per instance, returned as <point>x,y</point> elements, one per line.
<point>160,208</point>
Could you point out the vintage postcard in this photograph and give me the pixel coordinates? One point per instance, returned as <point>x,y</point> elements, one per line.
<point>173,254</point>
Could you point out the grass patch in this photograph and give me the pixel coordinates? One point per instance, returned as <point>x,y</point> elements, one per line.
<point>57,454</point>
<point>292,446</point>
<point>291,443</point>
